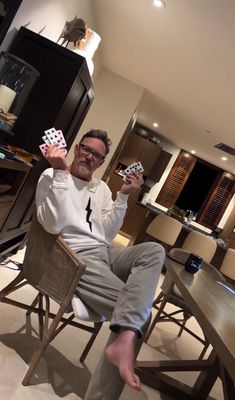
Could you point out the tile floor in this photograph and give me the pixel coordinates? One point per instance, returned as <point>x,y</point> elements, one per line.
<point>60,374</point>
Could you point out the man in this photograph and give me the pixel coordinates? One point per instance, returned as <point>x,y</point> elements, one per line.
<point>118,283</point>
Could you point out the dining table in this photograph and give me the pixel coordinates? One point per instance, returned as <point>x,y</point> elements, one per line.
<point>212,302</point>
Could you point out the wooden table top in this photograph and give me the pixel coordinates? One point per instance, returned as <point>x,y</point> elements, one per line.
<point>212,302</point>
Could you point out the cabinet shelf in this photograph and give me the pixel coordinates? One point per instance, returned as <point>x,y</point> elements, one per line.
<point>14,165</point>
<point>13,175</point>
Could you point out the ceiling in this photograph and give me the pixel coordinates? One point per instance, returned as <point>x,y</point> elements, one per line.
<point>183,55</point>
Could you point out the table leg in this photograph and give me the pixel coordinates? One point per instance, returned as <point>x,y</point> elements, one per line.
<point>228,384</point>
<point>206,379</point>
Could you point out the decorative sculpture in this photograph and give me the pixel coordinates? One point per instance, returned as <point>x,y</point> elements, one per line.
<point>73,31</point>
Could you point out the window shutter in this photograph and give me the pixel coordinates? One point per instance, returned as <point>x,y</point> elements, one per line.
<point>176,179</point>
<point>218,201</point>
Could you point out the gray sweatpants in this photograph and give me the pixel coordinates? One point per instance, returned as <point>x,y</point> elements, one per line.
<point>120,284</point>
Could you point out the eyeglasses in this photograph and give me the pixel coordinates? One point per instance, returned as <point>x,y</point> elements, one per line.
<point>87,150</point>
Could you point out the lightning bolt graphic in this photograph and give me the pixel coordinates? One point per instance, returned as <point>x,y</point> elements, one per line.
<point>89,211</point>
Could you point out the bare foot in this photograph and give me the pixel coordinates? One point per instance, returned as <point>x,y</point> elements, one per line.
<point>121,353</point>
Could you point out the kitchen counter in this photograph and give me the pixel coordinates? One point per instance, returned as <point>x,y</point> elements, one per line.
<point>153,211</point>
<point>158,210</point>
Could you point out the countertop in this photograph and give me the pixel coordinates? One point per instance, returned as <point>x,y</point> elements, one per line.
<point>188,227</point>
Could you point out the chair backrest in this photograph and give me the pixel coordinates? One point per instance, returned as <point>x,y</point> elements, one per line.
<point>200,244</point>
<point>50,265</point>
<point>165,229</point>
<point>228,264</point>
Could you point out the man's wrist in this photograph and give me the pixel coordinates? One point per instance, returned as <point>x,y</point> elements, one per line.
<point>126,193</point>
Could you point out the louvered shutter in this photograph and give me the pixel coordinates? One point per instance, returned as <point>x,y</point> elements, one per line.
<point>218,201</point>
<point>176,179</point>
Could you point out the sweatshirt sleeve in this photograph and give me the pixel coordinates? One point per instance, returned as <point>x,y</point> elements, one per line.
<point>113,214</point>
<point>51,196</point>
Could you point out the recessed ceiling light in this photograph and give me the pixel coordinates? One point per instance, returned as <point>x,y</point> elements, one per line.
<point>159,3</point>
<point>224,158</point>
<point>193,151</point>
<point>155,124</point>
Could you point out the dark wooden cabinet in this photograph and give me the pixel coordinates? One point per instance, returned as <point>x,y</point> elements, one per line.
<point>61,98</point>
<point>13,176</point>
<point>135,148</point>
<point>160,165</point>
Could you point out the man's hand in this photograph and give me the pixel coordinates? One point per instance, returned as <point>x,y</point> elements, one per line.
<point>56,157</point>
<point>134,181</point>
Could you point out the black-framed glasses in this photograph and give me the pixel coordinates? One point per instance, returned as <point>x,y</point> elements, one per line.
<point>87,150</point>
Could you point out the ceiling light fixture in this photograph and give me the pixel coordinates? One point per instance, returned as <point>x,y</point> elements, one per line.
<point>155,124</point>
<point>193,152</point>
<point>159,3</point>
<point>224,158</point>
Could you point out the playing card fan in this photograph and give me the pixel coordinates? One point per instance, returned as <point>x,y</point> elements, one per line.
<point>53,136</point>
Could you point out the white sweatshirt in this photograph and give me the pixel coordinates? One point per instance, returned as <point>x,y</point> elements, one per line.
<point>82,212</point>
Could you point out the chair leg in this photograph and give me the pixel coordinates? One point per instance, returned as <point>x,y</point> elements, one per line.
<point>207,344</point>
<point>48,335</point>
<point>157,317</point>
<point>35,360</point>
<point>186,318</point>
<point>97,327</point>
<point>40,316</point>
<point>13,285</point>
<point>158,299</point>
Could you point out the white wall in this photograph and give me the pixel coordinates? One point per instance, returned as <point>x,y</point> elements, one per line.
<point>116,100</point>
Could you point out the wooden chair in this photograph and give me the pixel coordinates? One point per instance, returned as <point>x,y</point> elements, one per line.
<point>170,293</point>
<point>54,270</point>
<point>227,267</point>
<point>201,244</point>
<point>164,229</point>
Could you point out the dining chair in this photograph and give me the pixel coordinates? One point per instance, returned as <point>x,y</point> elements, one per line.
<point>164,229</point>
<point>204,246</point>
<point>227,267</point>
<point>54,270</point>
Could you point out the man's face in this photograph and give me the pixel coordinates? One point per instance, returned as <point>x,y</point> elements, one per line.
<point>88,156</point>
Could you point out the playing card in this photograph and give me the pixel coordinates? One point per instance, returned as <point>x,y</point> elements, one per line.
<point>48,131</point>
<point>135,167</point>
<point>121,173</point>
<point>46,140</point>
<point>57,137</point>
<point>43,147</point>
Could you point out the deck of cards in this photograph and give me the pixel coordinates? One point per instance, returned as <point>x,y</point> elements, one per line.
<point>53,136</point>
<point>135,167</point>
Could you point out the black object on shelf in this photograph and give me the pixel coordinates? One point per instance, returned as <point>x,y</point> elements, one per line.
<point>5,135</point>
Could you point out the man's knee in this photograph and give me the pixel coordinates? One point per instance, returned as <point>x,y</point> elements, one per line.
<point>153,253</point>
<point>153,248</point>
